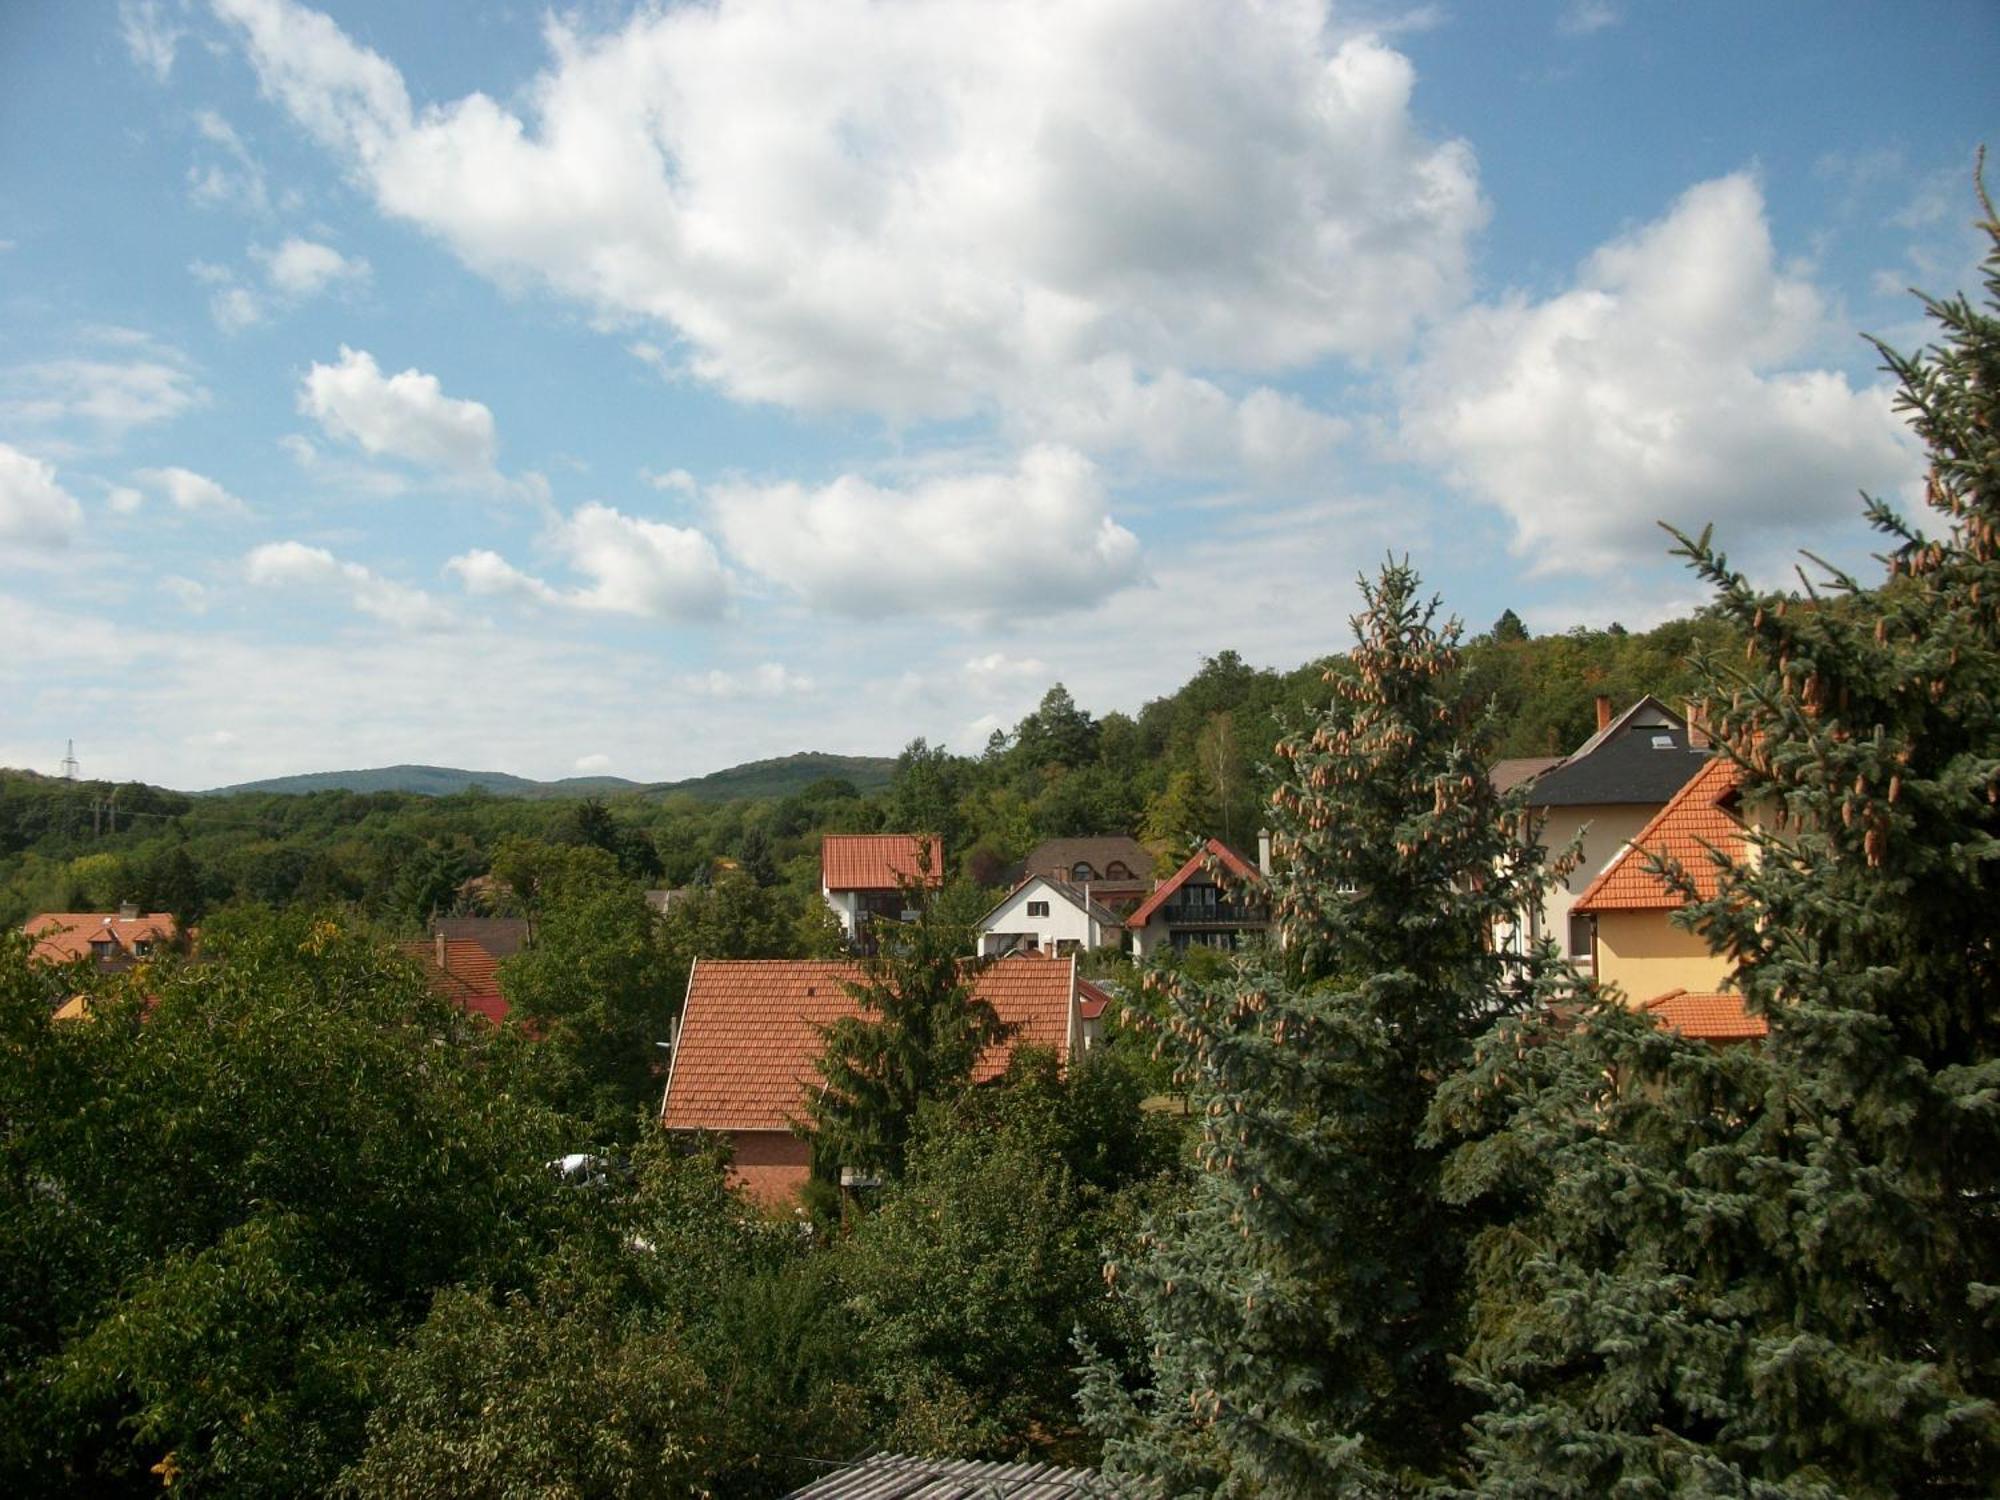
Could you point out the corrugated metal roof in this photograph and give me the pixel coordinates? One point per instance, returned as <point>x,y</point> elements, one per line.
<point>889,1476</point>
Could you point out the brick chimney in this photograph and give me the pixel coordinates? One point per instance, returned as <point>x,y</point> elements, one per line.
<point>1603,711</point>
<point>1697,724</point>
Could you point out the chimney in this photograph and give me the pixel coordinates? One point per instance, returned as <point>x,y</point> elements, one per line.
<point>129,911</point>
<point>1697,725</point>
<point>1603,711</point>
<point>437,939</point>
<point>1264,852</point>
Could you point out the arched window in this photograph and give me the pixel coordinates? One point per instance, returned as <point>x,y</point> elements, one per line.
<point>1081,871</point>
<point>1116,870</point>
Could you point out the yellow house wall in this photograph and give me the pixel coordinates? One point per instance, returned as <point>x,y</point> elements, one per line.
<point>1645,955</point>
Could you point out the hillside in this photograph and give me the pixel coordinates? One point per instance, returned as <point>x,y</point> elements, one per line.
<point>762,778</point>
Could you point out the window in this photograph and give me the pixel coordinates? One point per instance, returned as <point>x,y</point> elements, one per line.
<point>1038,908</point>
<point>1081,871</point>
<point>1117,870</point>
<point>1580,929</point>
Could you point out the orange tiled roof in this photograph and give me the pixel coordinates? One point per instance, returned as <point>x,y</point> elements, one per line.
<point>62,936</point>
<point>1215,849</point>
<point>1707,1018</point>
<point>1695,817</point>
<point>875,861</point>
<point>470,976</point>
<point>750,1043</point>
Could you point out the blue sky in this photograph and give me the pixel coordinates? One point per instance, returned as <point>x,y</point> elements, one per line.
<point>647,389</point>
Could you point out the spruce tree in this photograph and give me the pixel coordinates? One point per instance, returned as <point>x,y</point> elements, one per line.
<point>918,1035</point>
<point>1775,1270</point>
<point>1303,1311</point>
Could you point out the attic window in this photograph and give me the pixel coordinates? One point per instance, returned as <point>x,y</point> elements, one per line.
<point>1663,742</point>
<point>1116,870</point>
<point>1081,871</point>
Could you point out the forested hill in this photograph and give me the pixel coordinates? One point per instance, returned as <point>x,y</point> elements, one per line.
<point>1196,762</point>
<point>778,777</point>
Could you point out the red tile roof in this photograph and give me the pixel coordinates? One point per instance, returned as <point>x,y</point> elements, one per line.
<point>1214,849</point>
<point>750,1043</point>
<point>1090,1000</point>
<point>1696,816</point>
<point>63,936</point>
<point>1707,1018</point>
<point>875,861</point>
<point>469,977</point>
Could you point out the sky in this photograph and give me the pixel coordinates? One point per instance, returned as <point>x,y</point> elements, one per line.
<point>640,390</point>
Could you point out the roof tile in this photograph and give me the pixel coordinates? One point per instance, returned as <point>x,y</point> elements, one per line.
<point>750,1038</point>
<point>1682,831</point>
<point>875,861</point>
<point>1707,1018</point>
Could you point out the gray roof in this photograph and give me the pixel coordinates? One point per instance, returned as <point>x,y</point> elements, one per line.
<point>1060,856</point>
<point>1641,757</point>
<point>888,1476</point>
<point>1508,774</point>
<point>502,937</point>
<point>1089,905</point>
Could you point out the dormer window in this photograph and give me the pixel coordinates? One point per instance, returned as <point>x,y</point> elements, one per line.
<point>1117,870</point>
<point>1081,871</point>
<point>101,947</point>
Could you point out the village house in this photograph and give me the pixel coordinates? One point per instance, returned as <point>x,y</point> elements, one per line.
<point>1608,789</point>
<point>463,972</point>
<point>111,940</point>
<point>1215,900</point>
<point>1636,947</point>
<point>747,1055</point>
<point>864,875</point>
<point>1046,915</point>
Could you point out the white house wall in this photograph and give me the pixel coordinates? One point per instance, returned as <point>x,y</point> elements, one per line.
<point>1065,922</point>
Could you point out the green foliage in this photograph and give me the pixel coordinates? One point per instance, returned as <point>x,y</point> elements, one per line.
<point>1772,1271</point>
<point>225,1192</point>
<point>1301,1312</point>
<point>919,1032</point>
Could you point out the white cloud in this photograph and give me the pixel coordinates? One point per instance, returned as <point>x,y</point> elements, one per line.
<point>125,500</point>
<point>294,564</point>
<point>673,481</point>
<point>1664,385</point>
<point>405,416</point>
<point>1583,17</point>
<point>305,268</point>
<point>191,491</point>
<point>769,680</point>
<point>1041,537</point>
<point>236,308</point>
<point>36,512</point>
<point>232,177</point>
<point>589,763</point>
<point>149,36</point>
<point>926,210</point>
<point>113,396</point>
<point>636,567</point>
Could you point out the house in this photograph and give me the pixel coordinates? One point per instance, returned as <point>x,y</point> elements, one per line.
<point>502,937</point>
<point>1636,947</point>
<point>863,875</point>
<point>747,1055</point>
<point>1604,792</point>
<point>1046,915</point>
<point>1215,900</point>
<point>1114,869</point>
<point>463,972</point>
<point>112,940</point>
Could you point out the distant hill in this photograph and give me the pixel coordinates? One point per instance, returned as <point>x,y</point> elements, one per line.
<point>761,778</point>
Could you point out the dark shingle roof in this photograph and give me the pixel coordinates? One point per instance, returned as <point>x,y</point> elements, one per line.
<point>1641,757</point>
<point>1099,851</point>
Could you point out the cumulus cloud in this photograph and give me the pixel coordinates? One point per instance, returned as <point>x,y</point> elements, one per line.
<point>36,512</point>
<point>1669,383</point>
<point>768,680</point>
<point>925,210</point>
<point>405,416</point>
<point>296,565</point>
<point>295,271</point>
<point>190,491</point>
<point>1039,537</point>
<point>635,567</point>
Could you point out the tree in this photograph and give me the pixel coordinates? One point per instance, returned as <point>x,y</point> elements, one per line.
<point>1302,1312</point>
<point>1773,1271</point>
<point>1508,628</point>
<point>1056,733</point>
<point>919,1032</point>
